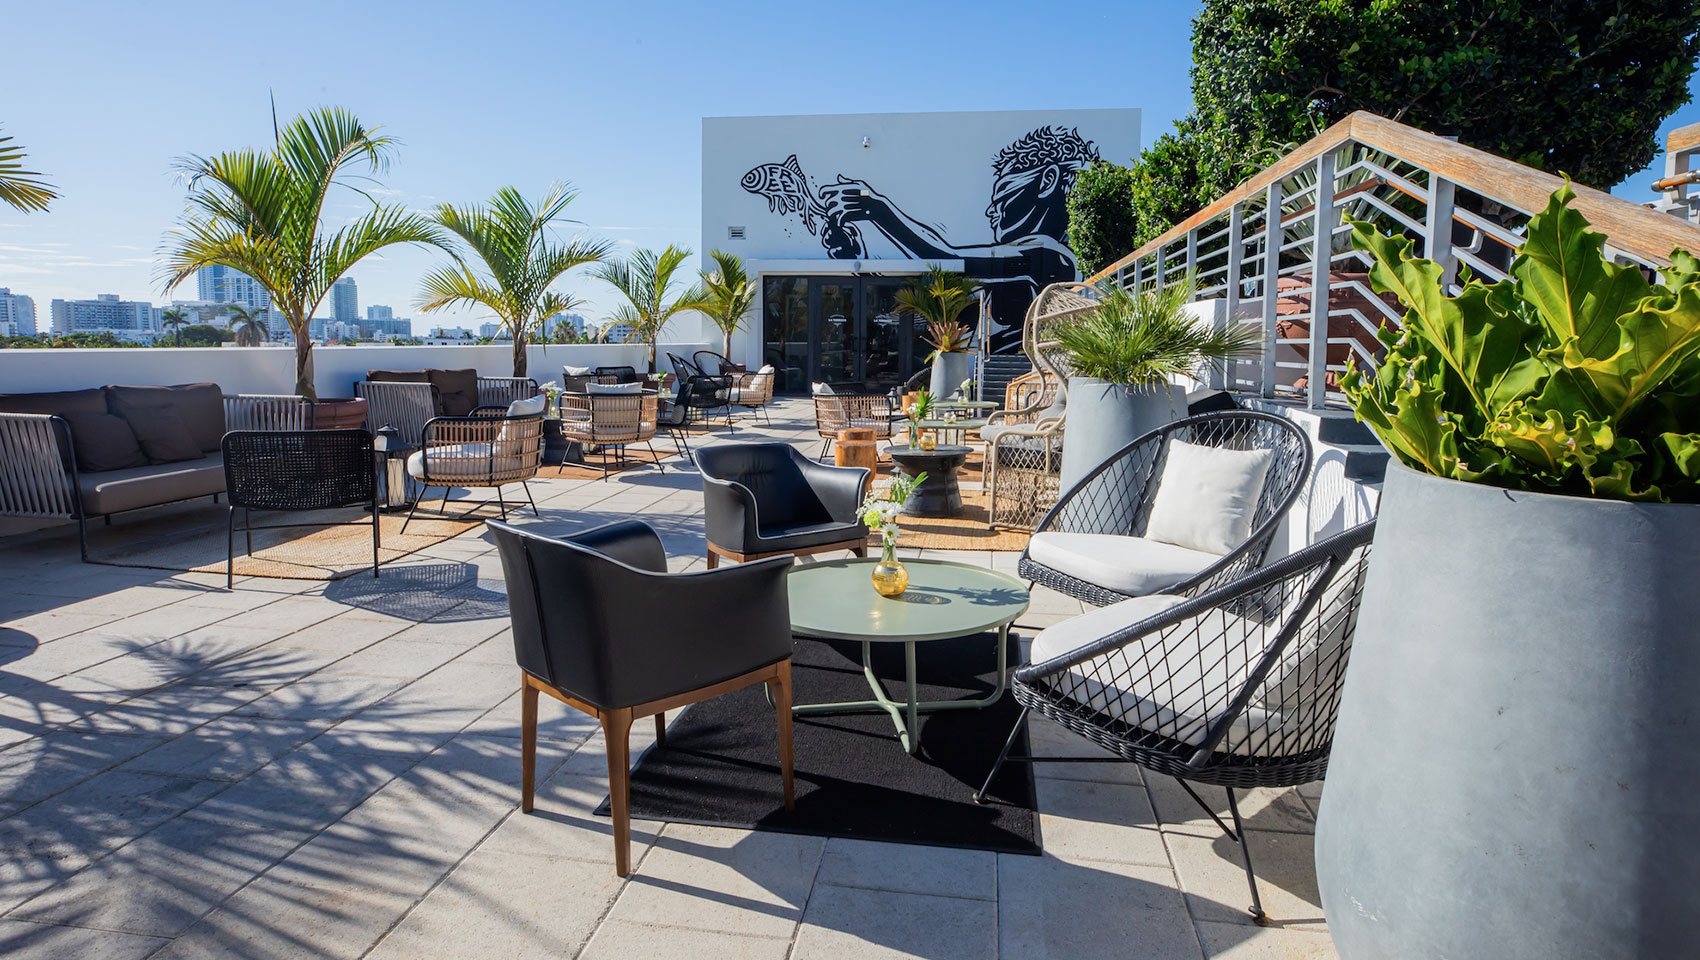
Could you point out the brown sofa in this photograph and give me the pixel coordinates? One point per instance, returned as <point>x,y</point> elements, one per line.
<point>77,454</point>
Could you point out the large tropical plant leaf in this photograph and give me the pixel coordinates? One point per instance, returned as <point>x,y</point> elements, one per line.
<point>20,188</point>
<point>1577,293</point>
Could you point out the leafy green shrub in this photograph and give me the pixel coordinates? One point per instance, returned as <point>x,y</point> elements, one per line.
<point>1102,226</point>
<point>1576,376</point>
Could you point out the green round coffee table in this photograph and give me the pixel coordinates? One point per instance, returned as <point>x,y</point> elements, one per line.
<point>836,601</point>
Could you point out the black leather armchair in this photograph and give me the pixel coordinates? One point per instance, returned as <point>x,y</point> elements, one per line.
<point>766,499</point>
<point>596,625</point>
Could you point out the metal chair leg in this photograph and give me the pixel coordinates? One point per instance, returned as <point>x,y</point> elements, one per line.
<point>501,503</point>
<point>654,456</point>
<point>528,499</point>
<point>375,538</point>
<point>83,536</point>
<point>980,794</point>
<point>1257,914</point>
<point>230,548</point>
<point>422,491</point>
<point>248,528</point>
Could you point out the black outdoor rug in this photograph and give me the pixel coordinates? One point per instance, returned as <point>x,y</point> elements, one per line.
<point>853,778</point>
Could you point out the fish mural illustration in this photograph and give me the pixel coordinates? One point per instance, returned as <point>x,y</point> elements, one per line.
<point>787,190</point>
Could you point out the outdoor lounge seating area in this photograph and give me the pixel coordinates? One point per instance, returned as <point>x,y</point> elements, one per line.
<point>340,716</point>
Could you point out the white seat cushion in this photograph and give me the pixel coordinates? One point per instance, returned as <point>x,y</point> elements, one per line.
<point>1136,566</point>
<point>1207,497</point>
<point>529,407</point>
<point>1174,683</point>
<point>460,462</point>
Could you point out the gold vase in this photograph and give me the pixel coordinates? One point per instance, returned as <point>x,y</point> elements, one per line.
<point>890,576</point>
<point>928,440</point>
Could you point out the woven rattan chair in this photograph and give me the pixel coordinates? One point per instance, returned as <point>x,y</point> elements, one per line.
<point>402,405</point>
<point>611,421</point>
<point>1024,440</point>
<point>296,470</point>
<point>488,449</point>
<point>1237,687</point>
<point>1102,520</point>
<point>754,390</point>
<point>618,375</point>
<point>836,411</point>
<point>501,391</point>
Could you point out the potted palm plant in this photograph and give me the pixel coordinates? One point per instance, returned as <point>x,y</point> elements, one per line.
<point>1123,356</point>
<point>521,260</point>
<point>939,297</point>
<point>262,213</point>
<point>1514,769</point>
<point>731,295</point>
<point>645,280</point>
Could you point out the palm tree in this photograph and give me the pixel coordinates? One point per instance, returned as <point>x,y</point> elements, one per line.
<point>173,319</point>
<point>261,213</point>
<point>511,238</point>
<point>248,325</point>
<point>939,297</point>
<point>731,294</point>
<point>564,332</point>
<point>20,188</point>
<point>645,279</point>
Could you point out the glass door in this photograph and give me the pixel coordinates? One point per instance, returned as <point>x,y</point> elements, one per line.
<point>837,333</point>
<point>887,334</point>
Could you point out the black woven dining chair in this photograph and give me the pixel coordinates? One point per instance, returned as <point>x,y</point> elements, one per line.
<point>292,470</point>
<point>1237,687</point>
<point>1112,504</point>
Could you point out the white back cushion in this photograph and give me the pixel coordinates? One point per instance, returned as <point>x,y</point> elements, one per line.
<point>615,388</point>
<point>1207,496</point>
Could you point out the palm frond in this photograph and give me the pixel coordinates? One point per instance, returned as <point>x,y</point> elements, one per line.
<point>20,188</point>
<point>731,292</point>
<point>1136,338</point>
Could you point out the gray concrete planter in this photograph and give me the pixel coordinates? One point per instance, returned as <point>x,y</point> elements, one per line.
<point>1516,769</point>
<point>1105,417</point>
<point>949,370</point>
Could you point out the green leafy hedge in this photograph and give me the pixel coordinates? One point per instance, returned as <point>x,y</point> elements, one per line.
<point>1577,375</point>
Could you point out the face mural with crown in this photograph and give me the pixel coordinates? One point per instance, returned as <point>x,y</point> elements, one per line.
<point>1027,216</point>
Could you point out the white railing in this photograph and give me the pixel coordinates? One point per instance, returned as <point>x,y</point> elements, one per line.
<point>1465,208</point>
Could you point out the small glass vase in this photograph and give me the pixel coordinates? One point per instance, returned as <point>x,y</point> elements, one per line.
<point>929,441</point>
<point>890,576</point>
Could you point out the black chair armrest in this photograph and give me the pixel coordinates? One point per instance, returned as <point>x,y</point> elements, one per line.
<point>631,542</point>
<point>729,514</point>
<point>840,489</point>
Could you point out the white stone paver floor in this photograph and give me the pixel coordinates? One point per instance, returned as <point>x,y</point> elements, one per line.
<point>305,769</point>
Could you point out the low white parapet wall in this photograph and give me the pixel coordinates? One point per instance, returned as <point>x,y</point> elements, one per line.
<point>271,369</point>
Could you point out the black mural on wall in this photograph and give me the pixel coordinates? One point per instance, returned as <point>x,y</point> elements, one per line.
<point>1028,215</point>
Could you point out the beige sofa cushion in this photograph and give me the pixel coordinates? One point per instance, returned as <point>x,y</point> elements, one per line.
<point>116,490</point>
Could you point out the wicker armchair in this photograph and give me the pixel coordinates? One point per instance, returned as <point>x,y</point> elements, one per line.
<point>501,391</point>
<point>618,375</point>
<point>1024,440</point>
<point>835,411</point>
<point>754,390</point>
<point>1237,687</point>
<point>610,421</point>
<point>393,403</point>
<point>296,470</point>
<point>488,449</point>
<point>1100,524</point>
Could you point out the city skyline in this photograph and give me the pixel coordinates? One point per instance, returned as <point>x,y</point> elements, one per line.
<point>464,133</point>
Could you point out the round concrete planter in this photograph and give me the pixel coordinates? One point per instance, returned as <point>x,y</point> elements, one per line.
<point>1515,768</point>
<point>949,370</point>
<point>1104,417</point>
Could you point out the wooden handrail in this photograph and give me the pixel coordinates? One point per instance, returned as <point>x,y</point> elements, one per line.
<point>1641,232</point>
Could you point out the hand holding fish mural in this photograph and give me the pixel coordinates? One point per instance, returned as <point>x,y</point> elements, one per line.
<point>788,191</point>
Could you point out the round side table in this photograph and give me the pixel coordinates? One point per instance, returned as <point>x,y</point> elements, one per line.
<point>938,495</point>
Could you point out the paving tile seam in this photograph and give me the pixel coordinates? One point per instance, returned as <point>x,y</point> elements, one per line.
<point>907,893</point>
<point>803,910</point>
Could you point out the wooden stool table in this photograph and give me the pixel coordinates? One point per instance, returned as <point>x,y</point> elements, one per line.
<point>856,447</point>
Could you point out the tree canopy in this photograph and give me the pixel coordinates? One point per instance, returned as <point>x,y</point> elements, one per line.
<point>1578,87</point>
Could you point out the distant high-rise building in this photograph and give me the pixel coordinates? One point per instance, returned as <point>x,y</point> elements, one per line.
<point>345,301</point>
<point>218,284</point>
<point>619,333</point>
<point>573,321</point>
<point>17,314</point>
<point>377,312</point>
<point>492,330</point>
<point>132,320</point>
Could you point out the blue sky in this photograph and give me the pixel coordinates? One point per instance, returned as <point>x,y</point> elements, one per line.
<point>606,95</point>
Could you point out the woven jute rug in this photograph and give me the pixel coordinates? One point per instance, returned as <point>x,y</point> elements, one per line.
<point>197,544</point>
<point>591,468</point>
<point>967,532</point>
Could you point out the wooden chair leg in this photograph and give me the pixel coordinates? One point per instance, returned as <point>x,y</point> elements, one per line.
<point>527,741</point>
<point>713,560</point>
<point>860,551</point>
<point>616,731</point>
<point>782,711</point>
<point>661,729</point>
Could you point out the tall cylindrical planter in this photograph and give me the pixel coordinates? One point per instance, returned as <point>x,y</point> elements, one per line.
<point>949,370</point>
<point>1516,766</point>
<point>1105,417</point>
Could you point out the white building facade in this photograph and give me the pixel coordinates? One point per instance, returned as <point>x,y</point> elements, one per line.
<point>836,213</point>
<point>17,314</point>
<point>135,321</point>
